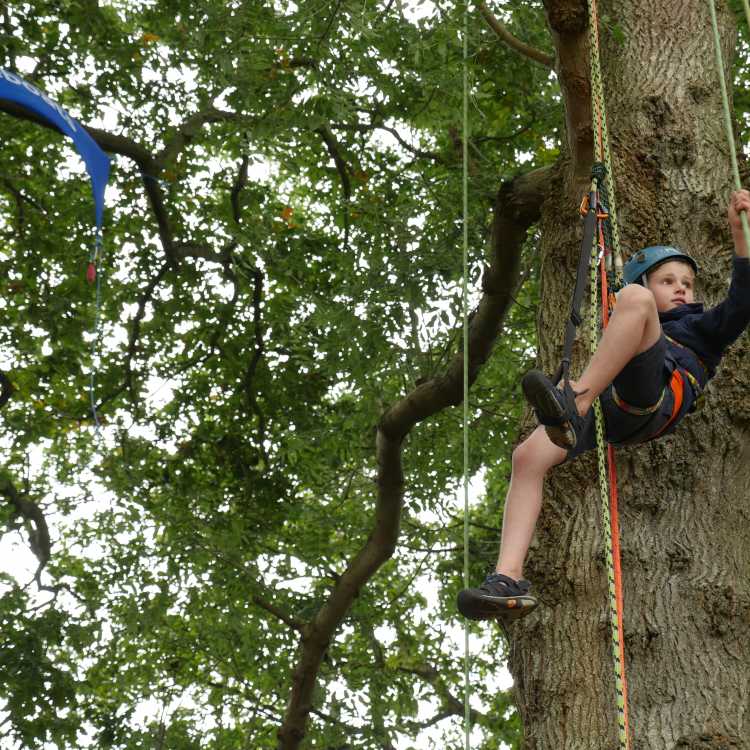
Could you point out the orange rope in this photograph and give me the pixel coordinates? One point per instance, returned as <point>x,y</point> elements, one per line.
<point>613,512</point>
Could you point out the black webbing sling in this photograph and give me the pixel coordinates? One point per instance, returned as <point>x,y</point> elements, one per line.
<point>584,260</point>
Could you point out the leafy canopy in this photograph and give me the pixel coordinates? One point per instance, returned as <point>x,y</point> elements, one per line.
<point>249,344</point>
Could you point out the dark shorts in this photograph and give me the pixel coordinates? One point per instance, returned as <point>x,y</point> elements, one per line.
<point>640,383</point>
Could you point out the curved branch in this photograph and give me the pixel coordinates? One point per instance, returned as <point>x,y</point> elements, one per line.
<point>20,196</point>
<point>517,208</point>
<point>196,250</point>
<point>259,351</point>
<point>334,150</point>
<point>188,130</point>
<point>39,539</point>
<point>239,185</point>
<point>114,144</point>
<point>513,42</point>
<point>117,144</point>
<point>155,198</point>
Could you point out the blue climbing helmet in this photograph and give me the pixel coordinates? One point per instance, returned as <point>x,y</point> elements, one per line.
<point>635,270</point>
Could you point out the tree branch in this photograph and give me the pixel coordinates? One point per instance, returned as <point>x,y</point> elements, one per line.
<point>6,389</point>
<point>117,144</point>
<point>135,331</point>
<point>188,130</point>
<point>334,150</point>
<point>513,42</point>
<point>452,706</point>
<point>517,208</point>
<point>20,196</point>
<point>568,21</point>
<point>277,612</point>
<point>238,187</point>
<point>259,350</point>
<point>156,199</point>
<point>114,144</point>
<point>39,539</point>
<point>359,128</point>
<point>194,250</point>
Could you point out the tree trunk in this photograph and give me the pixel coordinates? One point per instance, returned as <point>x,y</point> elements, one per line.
<point>683,499</point>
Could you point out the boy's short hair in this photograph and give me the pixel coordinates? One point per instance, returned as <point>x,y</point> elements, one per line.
<point>684,262</point>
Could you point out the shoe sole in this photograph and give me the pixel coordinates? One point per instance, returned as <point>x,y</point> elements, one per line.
<point>485,607</point>
<point>536,390</point>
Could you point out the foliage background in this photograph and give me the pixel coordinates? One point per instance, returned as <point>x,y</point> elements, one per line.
<point>254,331</point>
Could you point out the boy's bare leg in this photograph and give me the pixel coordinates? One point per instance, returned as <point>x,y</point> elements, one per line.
<point>532,459</point>
<point>633,328</point>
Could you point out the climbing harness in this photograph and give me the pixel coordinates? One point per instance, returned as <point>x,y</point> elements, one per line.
<point>675,386</point>
<point>704,368</point>
<point>640,411</point>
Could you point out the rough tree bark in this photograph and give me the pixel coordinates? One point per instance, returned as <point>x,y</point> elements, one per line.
<point>684,513</point>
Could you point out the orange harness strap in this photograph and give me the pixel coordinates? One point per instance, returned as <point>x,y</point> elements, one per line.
<point>677,385</point>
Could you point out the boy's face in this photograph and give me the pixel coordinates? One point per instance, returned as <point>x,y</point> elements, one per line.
<point>672,285</point>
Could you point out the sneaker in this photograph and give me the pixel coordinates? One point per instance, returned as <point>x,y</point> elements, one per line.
<point>499,596</point>
<point>555,409</point>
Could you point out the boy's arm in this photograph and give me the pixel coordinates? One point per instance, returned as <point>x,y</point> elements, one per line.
<point>722,325</point>
<point>740,201</point>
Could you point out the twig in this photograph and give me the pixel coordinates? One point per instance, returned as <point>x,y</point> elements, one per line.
<point>288,620</point>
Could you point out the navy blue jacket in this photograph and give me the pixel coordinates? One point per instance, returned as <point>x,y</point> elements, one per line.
<point>707,333</point>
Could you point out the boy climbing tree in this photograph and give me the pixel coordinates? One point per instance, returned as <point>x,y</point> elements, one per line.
<point>651,366</point>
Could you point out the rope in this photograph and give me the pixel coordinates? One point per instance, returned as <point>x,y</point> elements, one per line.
<point>94,276</point>
<point>610,524</point>
<point>727,111</point>
<point>607,470</point>
<point>601,141</point>
<point>467,651</point>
